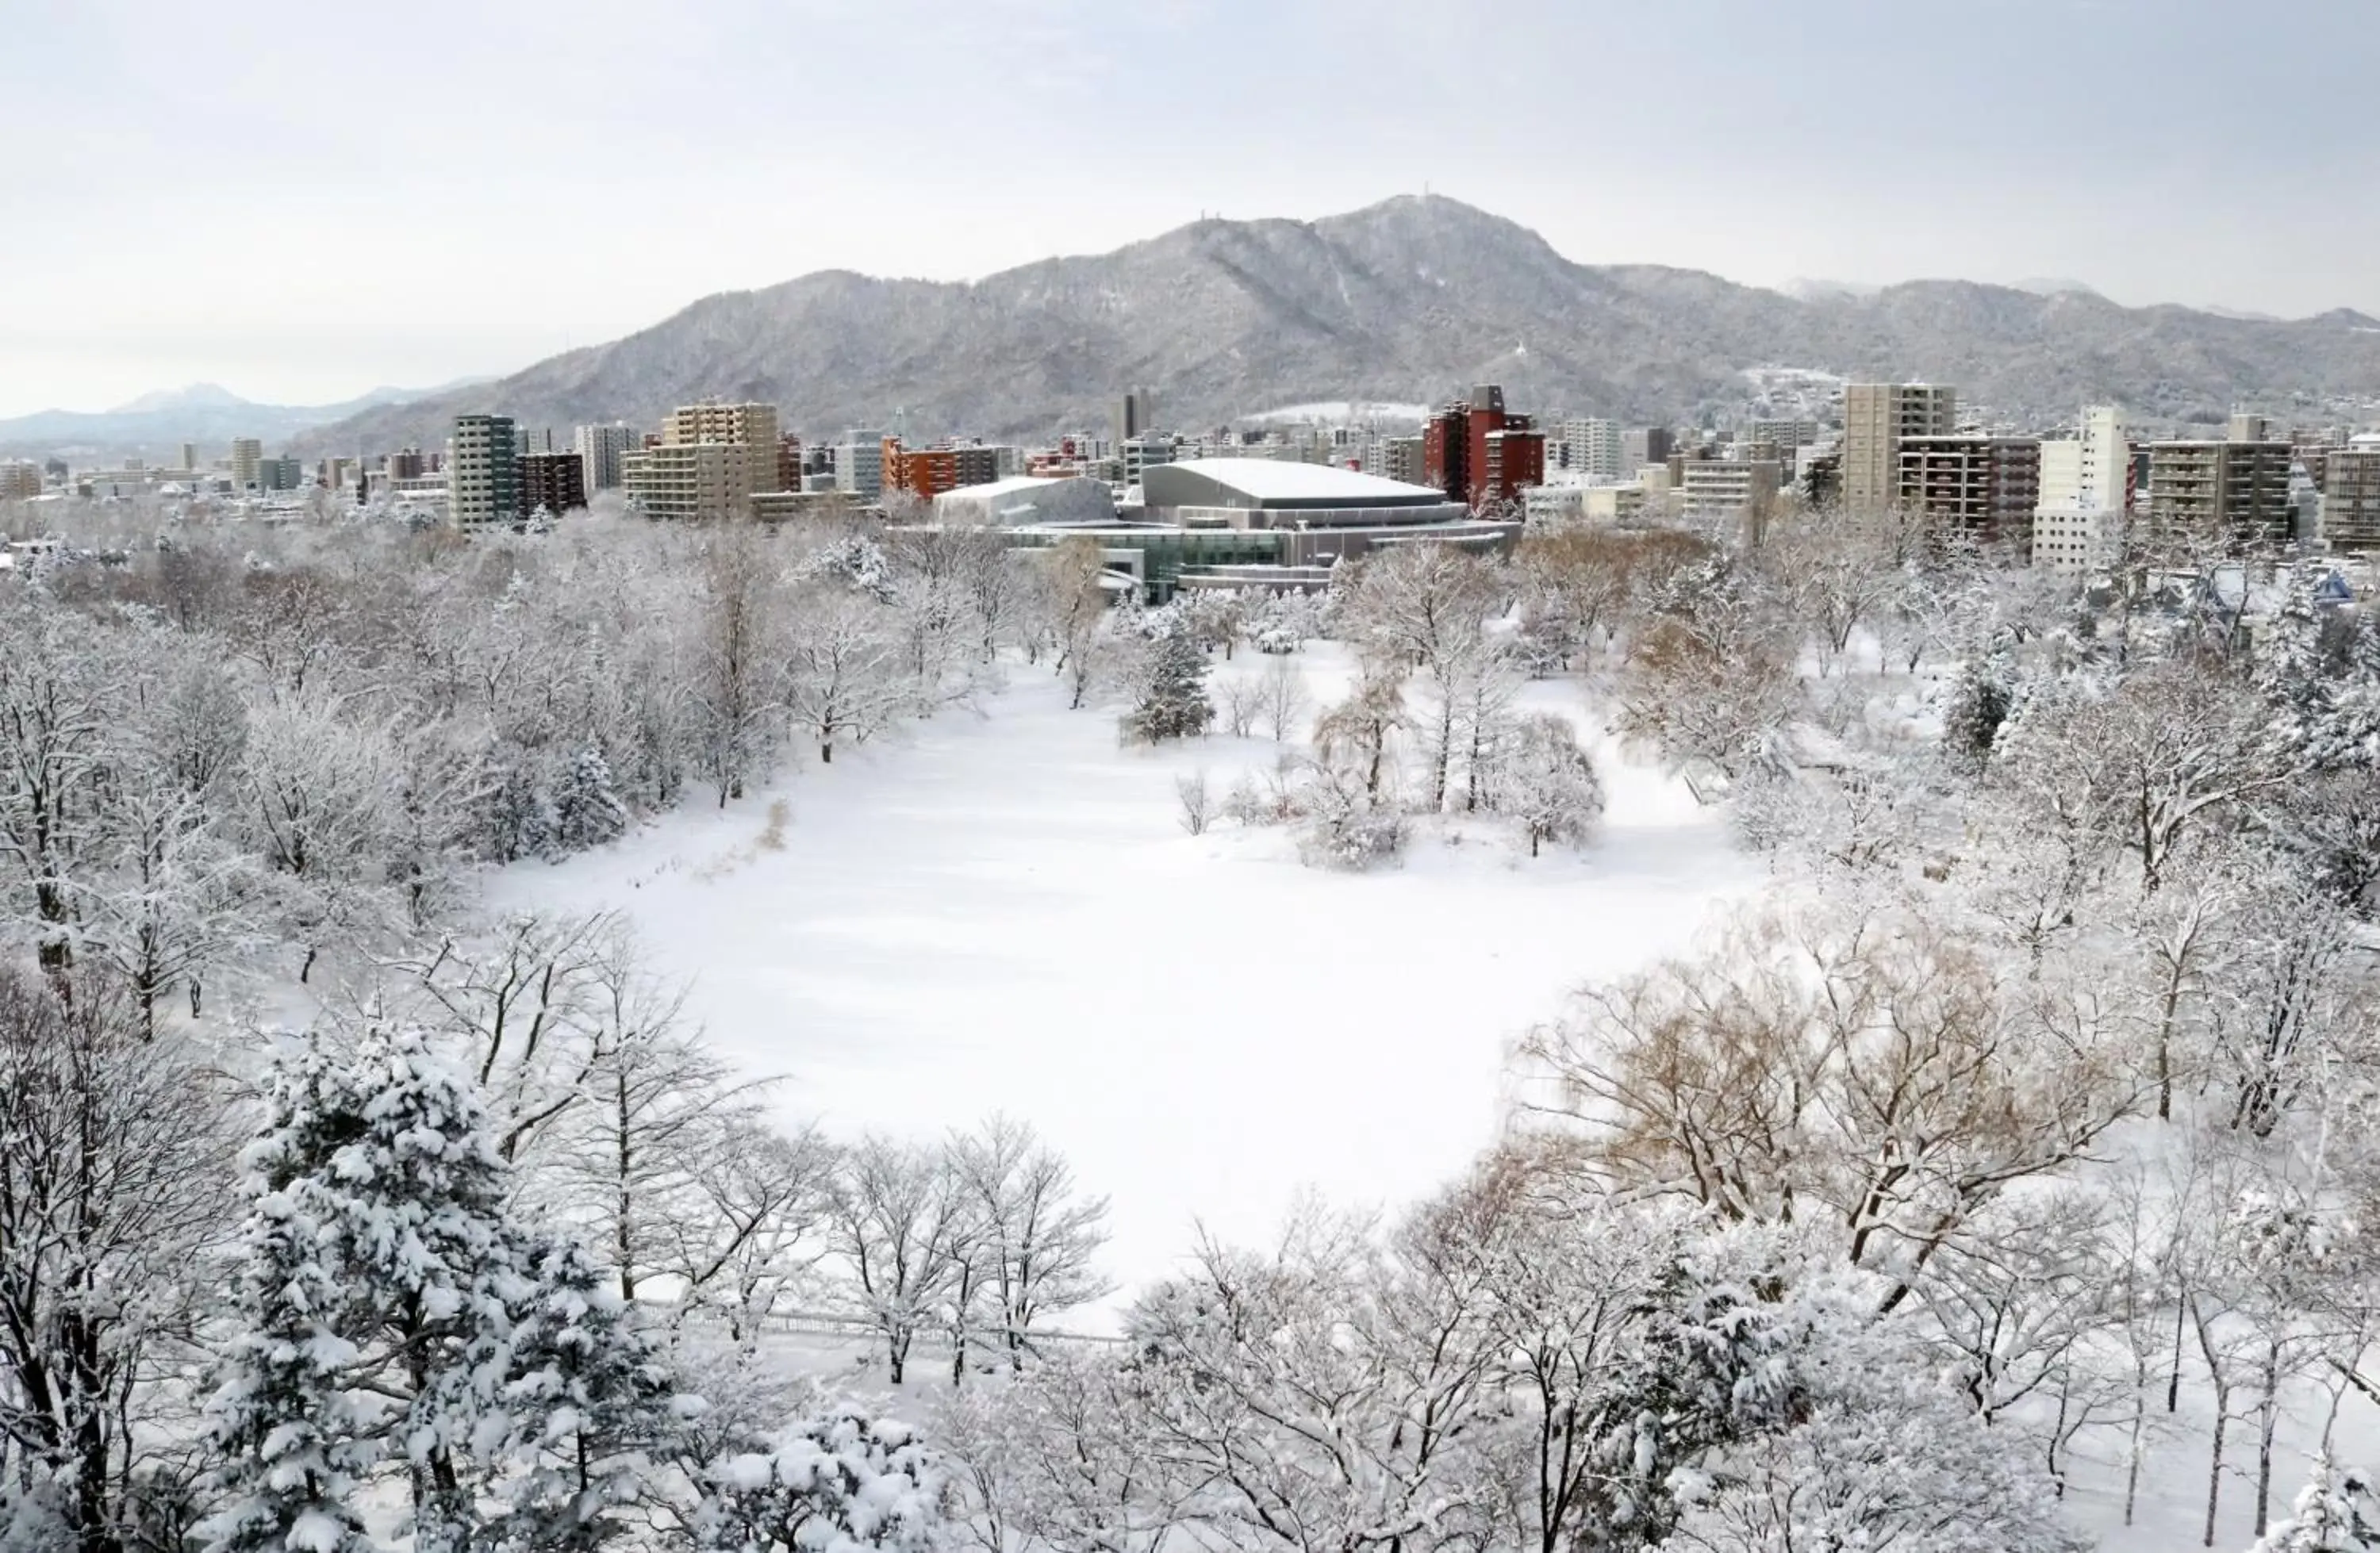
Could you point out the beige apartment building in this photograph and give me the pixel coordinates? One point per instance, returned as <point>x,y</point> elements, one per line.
<point>2233,494</point>
<point>247,456</point>
<point>2350,496</point>
<point>713,422</point>
<point>712,459</point>
<point>691,481</point>
<point>1877,418</point>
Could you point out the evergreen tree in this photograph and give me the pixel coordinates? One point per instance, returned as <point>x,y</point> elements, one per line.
<point>586,808</point>
<point>1172,702</point>
<point>587,1404</point>
<point>842,1482</point>
<point>379,1266</point>
<point>2335,1514</point>
<point>1979,703</point>
<point>518,819</point>
<point>294,1430</point>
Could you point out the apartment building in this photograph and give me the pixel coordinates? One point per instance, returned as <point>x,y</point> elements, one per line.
<point>1877,418</point>
<point>1717,493</point>
<point>2232,494</point>
<point>247,452</point>
<point>2350,496</point>
<point>554,481</point>
<point>483,471</point>
<point>859,464</point>
<point>712,421</point>
<point>19,480</point>
<point>928,472</point>
<point>693,482</point>
<point>2085,492</point>
<point>1987,487</point>
<point>1786,434</point>
<point>600,449</point>
<point>1592,447</point>
<point>1480,453</point>
<point>1401,459</point>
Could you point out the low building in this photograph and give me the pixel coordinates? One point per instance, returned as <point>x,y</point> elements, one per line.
<point>1028,500</point>
<point>929,472</point>
<point>1715,494</point>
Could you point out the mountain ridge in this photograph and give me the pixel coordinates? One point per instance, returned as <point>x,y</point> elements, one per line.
<point>1403,301</point>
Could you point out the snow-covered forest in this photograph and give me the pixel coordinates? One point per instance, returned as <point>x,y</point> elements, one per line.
<point>1998,1174</point>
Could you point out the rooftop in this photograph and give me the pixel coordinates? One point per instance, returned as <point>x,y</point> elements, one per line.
<point>1266,483</point>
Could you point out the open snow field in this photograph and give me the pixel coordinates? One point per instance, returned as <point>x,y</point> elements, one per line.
<point>1003,913</point>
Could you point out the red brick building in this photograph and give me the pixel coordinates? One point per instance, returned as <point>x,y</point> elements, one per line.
<point>1480,453</point>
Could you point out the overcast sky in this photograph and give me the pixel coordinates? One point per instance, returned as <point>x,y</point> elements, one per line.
<point>303,199</point>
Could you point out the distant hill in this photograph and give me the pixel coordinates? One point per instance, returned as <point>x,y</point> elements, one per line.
<point>208,414</point>
<point>1400,303</point>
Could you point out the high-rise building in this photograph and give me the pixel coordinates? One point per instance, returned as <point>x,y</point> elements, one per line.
<point>695,481</point>
<point>859,463</point>
<point>2350,496</point>
<point>1480,453</point>
<point>279,474</point>
<point>789,462</point>
<point>1592,448</point>
<point>2245,427</point>
<point>1647,445</point>
<point>408,463</point>
<point>190,457</point>
<point>20,480</point>
<point>554,481</point>
<point>245,454</point>
<point>1988,487</point>
<point>1401,459</point>
<point>600,450</point>
<point>2085,491</point>
<point>1136,416</point>
<point>711,421</point>
<point>2234,494</point>
<point>1878,417</point>
<point>483,471</point>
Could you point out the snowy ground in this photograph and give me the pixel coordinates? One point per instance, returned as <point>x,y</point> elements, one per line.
<point>1003,913</point>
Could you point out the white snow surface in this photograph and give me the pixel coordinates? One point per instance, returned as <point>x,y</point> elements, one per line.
<point>1005,914</point>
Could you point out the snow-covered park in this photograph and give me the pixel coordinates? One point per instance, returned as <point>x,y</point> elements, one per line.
<point>1001,911</point>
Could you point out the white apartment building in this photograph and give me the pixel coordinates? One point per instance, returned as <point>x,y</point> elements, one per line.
<point>859,463</point>
<point>2084,495</point>
<point>600,449</point>
<point>1592,447</point>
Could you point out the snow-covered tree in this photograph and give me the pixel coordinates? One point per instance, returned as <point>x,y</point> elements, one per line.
<point>372,1309</point>
<point>2336,1511</point>
<point>588,810</point>
<point>1546,781</point>
<point>1169,700</point>
<point>1037,1236</point>
<point>836,1483</point>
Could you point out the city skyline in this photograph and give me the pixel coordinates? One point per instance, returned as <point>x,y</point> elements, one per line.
<point>328,203</point>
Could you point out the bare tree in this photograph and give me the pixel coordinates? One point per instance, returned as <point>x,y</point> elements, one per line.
<point>1037,1237</point>
<point>896,1225</point>
<point>115,1199</point>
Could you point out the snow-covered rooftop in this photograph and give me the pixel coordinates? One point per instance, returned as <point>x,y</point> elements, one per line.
<point>1267,480</point>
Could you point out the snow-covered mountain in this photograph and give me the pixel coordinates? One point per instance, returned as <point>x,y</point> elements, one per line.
<point>1403,302</point>
<point>206,413</point>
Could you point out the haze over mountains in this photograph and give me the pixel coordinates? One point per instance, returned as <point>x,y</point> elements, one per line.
<point>205,413</point>
<point>1401,303</point>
